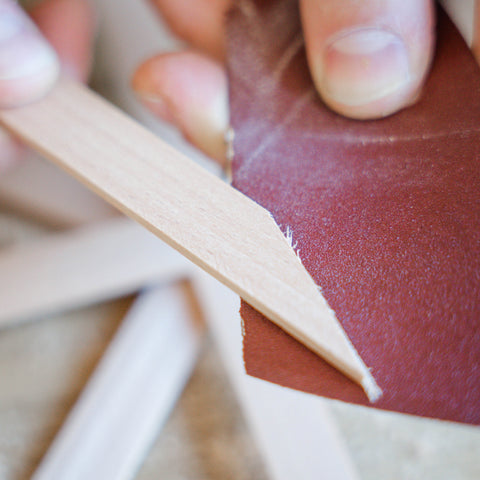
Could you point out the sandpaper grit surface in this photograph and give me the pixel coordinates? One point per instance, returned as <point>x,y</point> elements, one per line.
<point>384,215</point>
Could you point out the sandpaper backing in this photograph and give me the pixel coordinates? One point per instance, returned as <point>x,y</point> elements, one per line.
<point>384,215</point>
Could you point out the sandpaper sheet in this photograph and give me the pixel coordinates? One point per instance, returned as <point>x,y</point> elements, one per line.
<point>384,215</point>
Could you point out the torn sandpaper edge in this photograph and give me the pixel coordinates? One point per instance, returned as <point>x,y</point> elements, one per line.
<point>385,214</point>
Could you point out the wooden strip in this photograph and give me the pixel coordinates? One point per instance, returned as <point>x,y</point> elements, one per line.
<point>130,395</point>
<point>81,267</point>
<point>295,445</point>
<point>215,226</point>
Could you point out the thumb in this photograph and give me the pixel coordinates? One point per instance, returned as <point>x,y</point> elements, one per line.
<point>28,65</point>
<point>368,59</point>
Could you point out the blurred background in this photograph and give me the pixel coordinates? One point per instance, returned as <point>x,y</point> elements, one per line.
<point>220,427</point>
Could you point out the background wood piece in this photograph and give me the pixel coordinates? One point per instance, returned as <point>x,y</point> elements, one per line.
<point>131,393</point>
<point>310,437</point>
<point>295,432</point>
<point>81,267</point>
<point>215,226</point>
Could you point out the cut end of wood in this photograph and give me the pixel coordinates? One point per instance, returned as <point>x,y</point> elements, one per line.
<point>371,389</point>
<point>317,327</point>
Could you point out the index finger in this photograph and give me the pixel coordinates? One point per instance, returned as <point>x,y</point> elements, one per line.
<point>28,64</point>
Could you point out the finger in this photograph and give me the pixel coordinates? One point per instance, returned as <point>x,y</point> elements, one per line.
<point>201,23</point>
<point>190,90</point>
<point>69,26</point>
<point>28,65</point>
<point>368,59</point>
<point>466,16</point>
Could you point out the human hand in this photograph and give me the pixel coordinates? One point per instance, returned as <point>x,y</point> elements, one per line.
<point>368,59</point>
<point>29,64</point>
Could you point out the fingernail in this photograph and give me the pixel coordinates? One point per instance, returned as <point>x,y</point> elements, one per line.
<point>28,65</point>
<point>364,65</point>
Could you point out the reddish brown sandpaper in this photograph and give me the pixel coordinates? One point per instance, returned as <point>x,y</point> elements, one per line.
<point>385,216</point>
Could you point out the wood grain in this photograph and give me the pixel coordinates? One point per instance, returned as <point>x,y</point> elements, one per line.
<point>215,226</point>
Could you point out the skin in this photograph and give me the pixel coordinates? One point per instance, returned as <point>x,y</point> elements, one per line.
<point>410,23</point>
<point>69,27</point>
<point>392,42</point>
<point>414,38</point>
<point>72,40</point>
<point>199,23</point>
<point>410,20</point>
